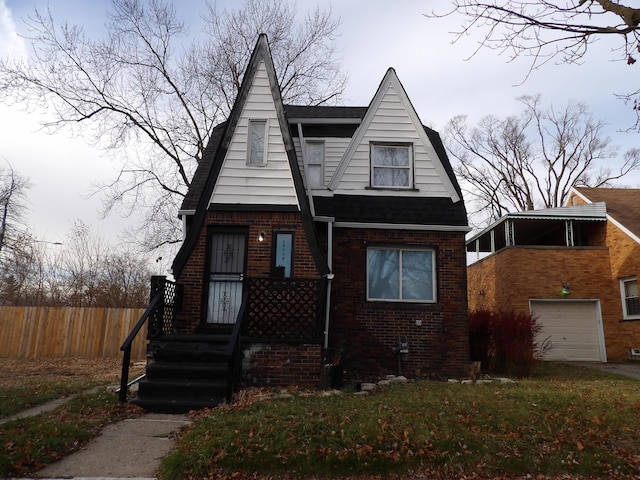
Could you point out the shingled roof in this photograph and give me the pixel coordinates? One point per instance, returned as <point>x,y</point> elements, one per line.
<point>623,204</point>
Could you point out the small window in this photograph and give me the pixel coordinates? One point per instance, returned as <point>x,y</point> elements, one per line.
<point>395,274</point>
<point>283,254</point>
<point>391,166</point>
<point>315,163</point>
<point>256,149</point>
<point>630,301</point>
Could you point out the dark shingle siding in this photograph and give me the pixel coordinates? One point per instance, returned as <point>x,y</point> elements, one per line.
<point>199,179</point>
<point>324,112</point>
<point>392,210</point>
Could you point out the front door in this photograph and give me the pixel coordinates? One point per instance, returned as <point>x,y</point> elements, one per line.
<point>226,274</point>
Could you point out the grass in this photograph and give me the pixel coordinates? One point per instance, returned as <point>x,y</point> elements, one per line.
<point>31,443</point>
<point>562,421</point>
<point>25,383</point>
<point>28,444</point>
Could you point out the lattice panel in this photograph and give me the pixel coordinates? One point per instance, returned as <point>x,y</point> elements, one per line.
<point>162,320</point>
<point>285,309</point>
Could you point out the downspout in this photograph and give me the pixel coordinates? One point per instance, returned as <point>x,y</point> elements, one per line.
<point>329,277</point>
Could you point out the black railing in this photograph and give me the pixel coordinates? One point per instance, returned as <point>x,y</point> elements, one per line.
<point>285,310</point>
<point>233,352</point>
<point>160,313</point>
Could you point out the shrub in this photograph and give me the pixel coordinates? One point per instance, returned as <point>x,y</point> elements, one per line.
<point>504,341</point>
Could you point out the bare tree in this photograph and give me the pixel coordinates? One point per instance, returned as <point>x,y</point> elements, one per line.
<point>13,190</point>
<point>532,160</point>
<point>549,29</point>
<point>552,30</point>
<point>148,94</point>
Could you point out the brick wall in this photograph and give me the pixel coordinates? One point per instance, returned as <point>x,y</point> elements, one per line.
<point>268,364</point>
<point>516,274</point>
<point>259,254</point>
<point>368,331</point>
<point>277,364</point>
<point>625,262</point>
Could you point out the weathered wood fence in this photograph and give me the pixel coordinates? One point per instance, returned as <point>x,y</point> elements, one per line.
<point>37,332</point>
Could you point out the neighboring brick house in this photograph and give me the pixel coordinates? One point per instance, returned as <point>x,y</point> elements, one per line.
<point>575,267</point>
<point>316,236</point>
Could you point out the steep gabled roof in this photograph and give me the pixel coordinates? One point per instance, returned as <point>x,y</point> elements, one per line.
<point>205,178</point>
<point>623,206</point>
<point>428,136</point>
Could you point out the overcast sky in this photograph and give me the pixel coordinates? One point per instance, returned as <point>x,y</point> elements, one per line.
<point>375,34</point>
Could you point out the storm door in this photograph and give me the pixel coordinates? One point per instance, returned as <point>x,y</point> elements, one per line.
<point>226,274</point>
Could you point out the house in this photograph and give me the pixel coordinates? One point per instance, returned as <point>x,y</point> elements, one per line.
<point>575,267</point>
<point>320,242</point>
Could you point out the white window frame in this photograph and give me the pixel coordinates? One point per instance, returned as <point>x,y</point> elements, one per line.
<point>402,250</point>
<point>250,125</point>
<point>310,163</point>
<point>625,314</point>
<point>409,168</point>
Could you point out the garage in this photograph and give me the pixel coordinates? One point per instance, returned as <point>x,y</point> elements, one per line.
<point>574,328</point>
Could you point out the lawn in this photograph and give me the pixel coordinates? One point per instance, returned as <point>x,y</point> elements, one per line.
<point>28,444</point>
<point>567,422</point>
<point>25,383</point>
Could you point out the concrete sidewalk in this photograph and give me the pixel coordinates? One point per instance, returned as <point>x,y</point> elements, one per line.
<point>132,448</point>
<point>129,449</point>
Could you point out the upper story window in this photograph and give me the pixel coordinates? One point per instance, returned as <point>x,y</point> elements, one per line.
<point>630,300</point>
<point>399,274</point>
<point>315,163</point>
<point>257,148</point>
<point>391,165</point>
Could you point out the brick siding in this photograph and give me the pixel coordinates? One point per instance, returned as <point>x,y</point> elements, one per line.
<point>509,278</point>
<point>368,331</point>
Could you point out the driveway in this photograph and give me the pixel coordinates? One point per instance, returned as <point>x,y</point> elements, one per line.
<point>628,369</point>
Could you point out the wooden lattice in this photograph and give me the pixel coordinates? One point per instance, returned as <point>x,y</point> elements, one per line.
<point>289,310</point>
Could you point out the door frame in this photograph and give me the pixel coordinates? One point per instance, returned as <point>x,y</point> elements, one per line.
<point>211,231</point>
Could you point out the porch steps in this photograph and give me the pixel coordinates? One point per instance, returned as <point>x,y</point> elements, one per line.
<point>184,372</point>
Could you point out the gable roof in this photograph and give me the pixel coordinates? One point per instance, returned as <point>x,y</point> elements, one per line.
<point>623,206</point>
<point>216,150</point>
<point>392,82</point>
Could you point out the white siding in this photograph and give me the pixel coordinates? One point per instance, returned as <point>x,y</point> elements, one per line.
<point>334,149</point>
<point>392,123</point>
<point>239,183</point>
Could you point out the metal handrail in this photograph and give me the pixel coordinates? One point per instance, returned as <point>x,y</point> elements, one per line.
<point>126,346</point>
<point>233,347</point>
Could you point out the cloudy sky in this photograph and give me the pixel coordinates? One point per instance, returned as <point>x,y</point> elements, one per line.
<point>440,78</point>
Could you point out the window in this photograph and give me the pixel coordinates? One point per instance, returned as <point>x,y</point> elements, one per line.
<point>630,301</point>
<point>401,275</point>
<point>391,166</point>
<point>256,148</point>
<point>283,254</point>
<point>315,163</point>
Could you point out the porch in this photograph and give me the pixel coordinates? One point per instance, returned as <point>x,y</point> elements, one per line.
<point>205,367</point>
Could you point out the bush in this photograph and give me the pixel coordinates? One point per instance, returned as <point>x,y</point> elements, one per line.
<point>505,341</point>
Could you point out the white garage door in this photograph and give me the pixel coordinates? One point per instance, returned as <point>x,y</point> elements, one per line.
<point>574,328</point>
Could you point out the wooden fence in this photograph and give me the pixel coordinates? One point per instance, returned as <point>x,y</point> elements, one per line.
<point>36,332</point>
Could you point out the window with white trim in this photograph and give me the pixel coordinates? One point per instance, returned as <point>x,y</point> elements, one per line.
<point>400,274</point>
<point>391,165</point>
<point>256,145</point>
<point>315,163</point>
<point>630,300</point>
